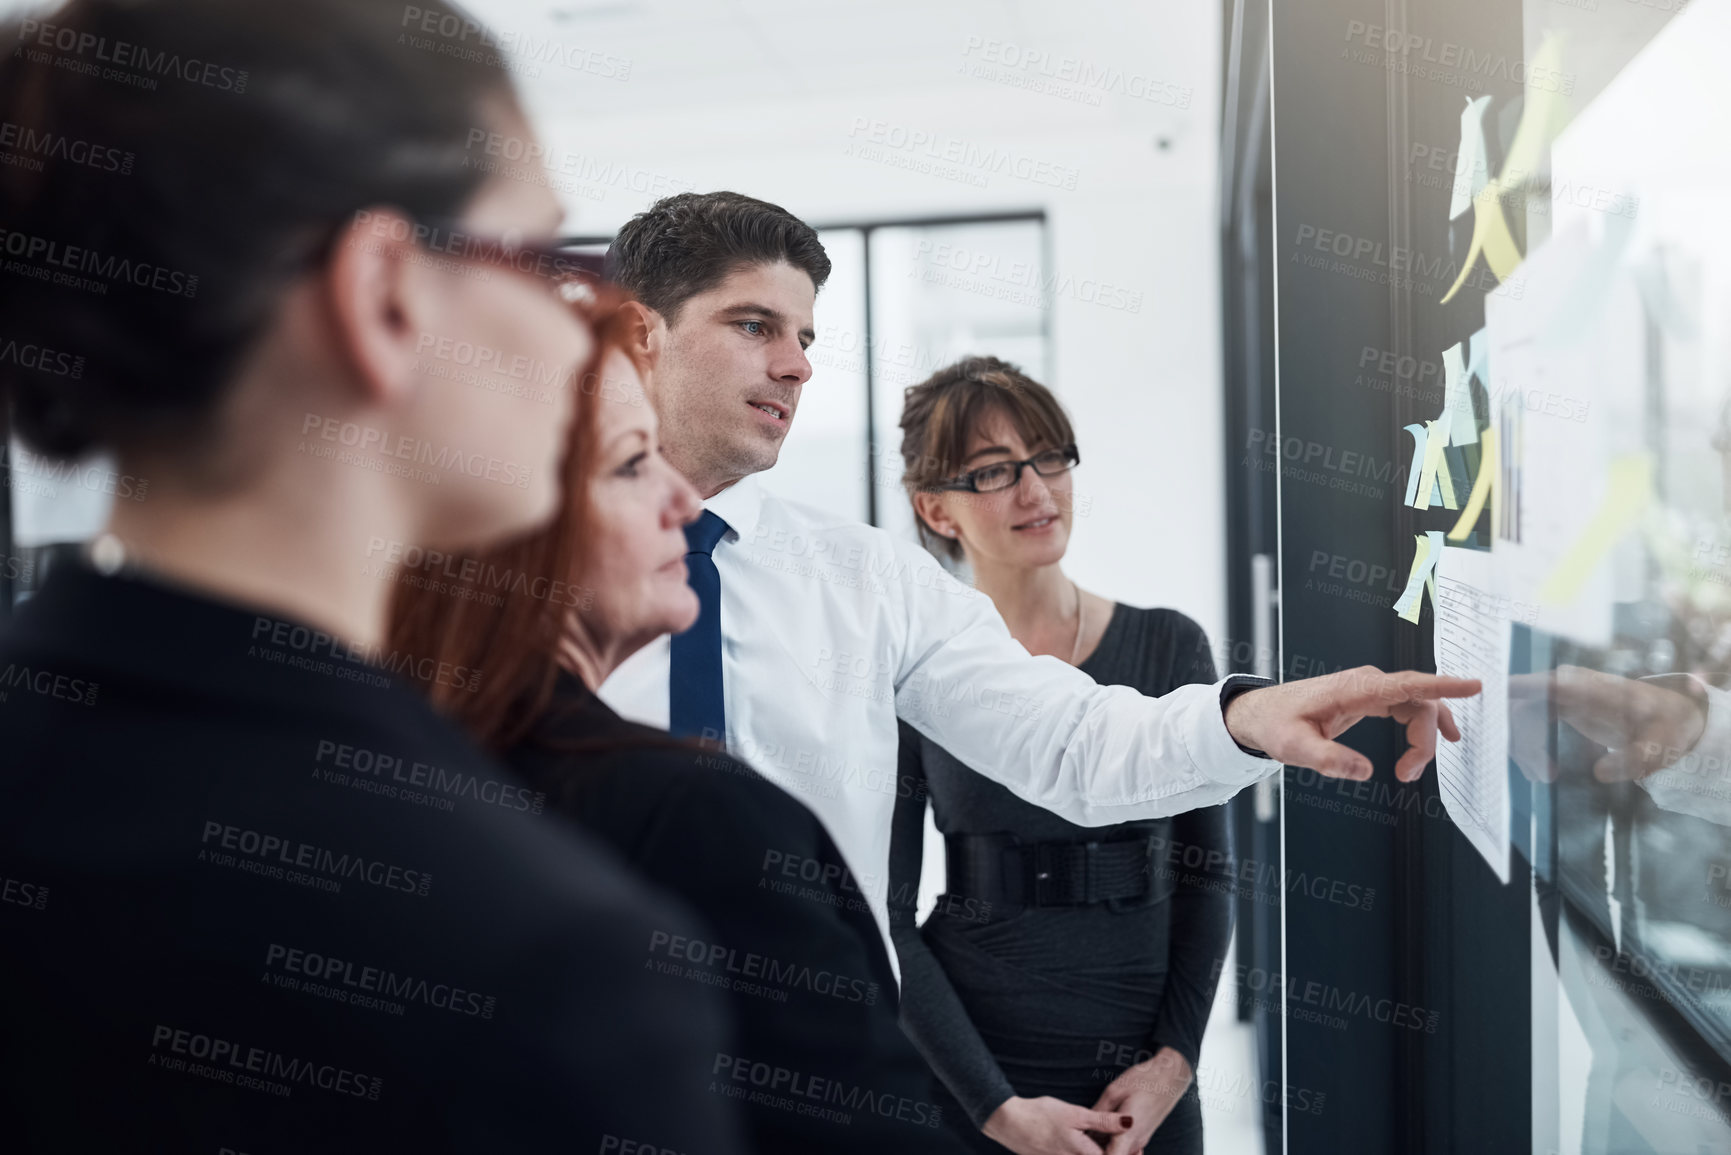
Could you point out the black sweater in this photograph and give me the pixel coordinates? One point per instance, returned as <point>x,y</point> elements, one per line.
<point>820,1062</point>
<point>1154,651</point>
<point>259,896</point>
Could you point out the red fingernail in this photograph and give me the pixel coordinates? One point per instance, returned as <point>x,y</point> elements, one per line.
<point>1127,1121</point>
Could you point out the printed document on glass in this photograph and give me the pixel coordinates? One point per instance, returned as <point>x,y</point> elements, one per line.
<point>1472,641</point>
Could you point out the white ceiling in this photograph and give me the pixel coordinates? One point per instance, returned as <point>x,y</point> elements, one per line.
<point>699,55</point>
<point>698,51</point>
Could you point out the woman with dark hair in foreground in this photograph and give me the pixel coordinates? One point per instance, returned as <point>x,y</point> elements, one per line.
<point>820,1062</point>
<point>276,903</point>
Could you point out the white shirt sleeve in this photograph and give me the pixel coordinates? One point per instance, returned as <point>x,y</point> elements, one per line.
<point>1093,754</point>
<point>1699,782</point>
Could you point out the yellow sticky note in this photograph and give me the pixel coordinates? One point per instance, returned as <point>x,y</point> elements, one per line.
<point>1482,485</point>
<point>1425,557</point>
<point>1628,489</point>
<point>1491,237</point>
<point>1543,116</point>
<point>1445,482</point>
<point>1408,606</point>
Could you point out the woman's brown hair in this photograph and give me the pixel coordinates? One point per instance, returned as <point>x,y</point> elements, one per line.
<point>502,614</point>
<point>941,413</point>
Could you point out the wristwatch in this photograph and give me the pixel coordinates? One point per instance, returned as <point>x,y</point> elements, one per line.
<point>1235,685</point>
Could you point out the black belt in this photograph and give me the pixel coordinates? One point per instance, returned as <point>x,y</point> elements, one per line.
<point>1000,868</point>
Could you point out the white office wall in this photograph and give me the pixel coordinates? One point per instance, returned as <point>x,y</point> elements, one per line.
<point>1004,106</point>
<point>818,108</point>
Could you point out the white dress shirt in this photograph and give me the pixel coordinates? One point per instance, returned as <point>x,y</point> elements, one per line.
<point>832,629</point>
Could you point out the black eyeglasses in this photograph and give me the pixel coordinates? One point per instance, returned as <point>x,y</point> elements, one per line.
<point>1005,474</point>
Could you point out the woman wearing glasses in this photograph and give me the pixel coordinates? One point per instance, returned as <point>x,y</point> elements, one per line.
<point>1066,969</point>
<point>276,901</point>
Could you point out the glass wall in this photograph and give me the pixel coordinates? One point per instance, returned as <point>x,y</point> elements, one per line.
<point>1504,307</point>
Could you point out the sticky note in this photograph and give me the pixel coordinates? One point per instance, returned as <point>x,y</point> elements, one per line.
<point>1458,398</point>
<point>1482,485</point>
<point>1491,239</point>
<point>1412,474</point>
<point>1435,485</point>
<point>1628,489</point>
<point>1542,117</point>
<point>1472,170</point>
<point>1428,552</point>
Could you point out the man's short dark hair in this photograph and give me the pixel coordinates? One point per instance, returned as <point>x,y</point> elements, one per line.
<point>689,243</point>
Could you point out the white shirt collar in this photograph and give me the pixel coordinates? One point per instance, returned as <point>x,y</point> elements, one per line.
<point>740,505</point>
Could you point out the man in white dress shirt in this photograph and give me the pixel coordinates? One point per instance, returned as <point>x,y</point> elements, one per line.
<point>830,629</point>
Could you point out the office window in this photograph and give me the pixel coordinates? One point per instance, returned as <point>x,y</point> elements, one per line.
<point>904,300</point>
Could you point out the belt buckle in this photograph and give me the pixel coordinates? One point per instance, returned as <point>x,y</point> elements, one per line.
<point>1040,869</point>
<point>1146,898</point>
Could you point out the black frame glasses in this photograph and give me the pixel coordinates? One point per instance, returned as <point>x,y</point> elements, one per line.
<point>1060,460</point>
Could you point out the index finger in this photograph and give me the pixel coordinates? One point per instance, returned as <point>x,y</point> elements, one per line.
<point>1375,692</point>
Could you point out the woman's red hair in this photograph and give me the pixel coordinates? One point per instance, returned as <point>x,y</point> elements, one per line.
<point>506,616</point>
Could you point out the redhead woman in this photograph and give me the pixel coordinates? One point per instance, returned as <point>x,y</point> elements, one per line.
<point>819,1060</point>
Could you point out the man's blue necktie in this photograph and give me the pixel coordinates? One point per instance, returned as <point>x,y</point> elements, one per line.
<point>696,708</point>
